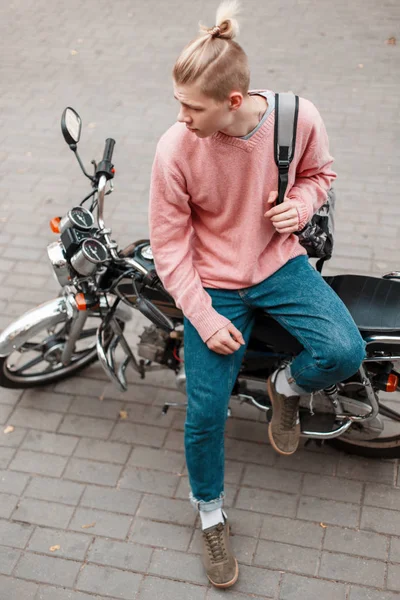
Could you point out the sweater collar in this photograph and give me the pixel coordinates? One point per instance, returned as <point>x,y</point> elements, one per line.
<point>249,144</point>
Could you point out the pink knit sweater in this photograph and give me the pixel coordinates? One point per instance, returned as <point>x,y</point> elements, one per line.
<point>207,203</point>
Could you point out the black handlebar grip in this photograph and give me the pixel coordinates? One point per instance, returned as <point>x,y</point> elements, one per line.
<point>108,149</point>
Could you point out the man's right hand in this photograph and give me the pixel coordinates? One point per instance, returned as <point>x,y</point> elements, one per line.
<point>226,341</point>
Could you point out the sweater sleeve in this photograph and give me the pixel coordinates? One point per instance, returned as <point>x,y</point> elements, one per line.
<point>170,235</point>
<point>314,175</point>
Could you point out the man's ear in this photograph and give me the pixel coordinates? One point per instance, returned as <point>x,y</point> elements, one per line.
<point>235,100</point>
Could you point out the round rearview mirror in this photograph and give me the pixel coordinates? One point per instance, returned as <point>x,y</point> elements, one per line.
<point>71,125</point>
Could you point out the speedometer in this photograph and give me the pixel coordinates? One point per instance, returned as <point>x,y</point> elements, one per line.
<point>91,254</point>
<point>77,217</point>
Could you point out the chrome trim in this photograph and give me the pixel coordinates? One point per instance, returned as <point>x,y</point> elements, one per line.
<point>392,275</point>
<point>329,435</point>
<point>31,323</point>
<point>77,325</point>
<point>382,339</point>
<point>56,255</point>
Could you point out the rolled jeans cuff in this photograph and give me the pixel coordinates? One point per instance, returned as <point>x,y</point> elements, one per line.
<point>207,506</point>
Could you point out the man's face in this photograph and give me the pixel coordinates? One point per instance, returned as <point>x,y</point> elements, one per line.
<point>202,115</point>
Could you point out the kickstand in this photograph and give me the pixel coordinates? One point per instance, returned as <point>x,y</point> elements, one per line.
<point>318,443</point>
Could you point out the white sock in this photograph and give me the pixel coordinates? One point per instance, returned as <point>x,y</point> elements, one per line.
<point>211,518</point>
<point>283,386</point>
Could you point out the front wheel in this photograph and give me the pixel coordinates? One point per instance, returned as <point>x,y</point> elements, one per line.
<point>38,361</point>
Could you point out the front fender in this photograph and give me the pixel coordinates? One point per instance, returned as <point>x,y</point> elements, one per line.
<point>31,323</point>
<point>46,315</point>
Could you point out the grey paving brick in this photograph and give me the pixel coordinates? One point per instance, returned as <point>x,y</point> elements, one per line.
<point>176,511</point>
<point>362,593</point>
<point>272,479</point>
<point>250,452</point>
<point>105,523</point>
<point>308,462</point>
<point>56,593</point>
<point>286,557</point>
<point>383,496</point>
<point>292,531</point>
<point>177,565</point>
<point>5,412</point>
<point>144,480</point>
<point>364,469</point>
<point>74,386</point>
<point>94,407</point>
<point>112,452</point>
<point>295,587</point>
<point>87,426</point>
<point>394,554</point>
<point>56,490</point>
<point>215,594</point>
<point>12,483</point>
<point>267,502</point>
<point>393,580</point>
<point>243,547</point>
<point>39,463</point>
<point>123,555</point>
<point>158,459</point>
<point>7,505</point>
<point>15,589</point>
<point>328,511</point>
<point>42,400</point>
<point>244,522</point>
<point>159,534</point>
<point>6,455</point>
<point>247,430</point>
<point>51,443</point>
<point>72,545</point>
<point>162,589</point>
<point>133,433</point>
<point>149,415</point>
<point>352,569</point>
<point>37,419</point>
<point>47,569</point>
<point>110,582</point>
<point>361,543</point>
<point>9,396</point>
<point>15,535</point>
<point>114,500</point>
<point>8,559</point>
<point>174,441</point>
<point>92,472</point>
<point>380,520</point>
<point>332,488</point>
<point>43,513</point>
<point>13,439</point>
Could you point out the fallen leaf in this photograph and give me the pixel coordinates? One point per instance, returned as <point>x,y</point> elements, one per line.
<point>9,429</point>
<point>73,52</point>
<point>391,41</point>
<point>54,548</point>
<point>101,398</point>
<point>91,125</point>
<point>123,414</point>
<point>90,525</point>
<point>360,66</point>
<point>323,525</point>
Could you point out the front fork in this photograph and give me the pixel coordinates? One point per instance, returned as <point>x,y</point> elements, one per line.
<point>78,322</point>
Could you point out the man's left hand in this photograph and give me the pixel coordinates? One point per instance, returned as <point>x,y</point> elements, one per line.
<point>284,217</point>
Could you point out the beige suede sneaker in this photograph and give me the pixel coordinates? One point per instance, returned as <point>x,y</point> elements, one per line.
<point>284,428</point>
<point>220,564</point>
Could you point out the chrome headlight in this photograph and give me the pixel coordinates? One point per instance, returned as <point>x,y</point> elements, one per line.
<point>56,254</point>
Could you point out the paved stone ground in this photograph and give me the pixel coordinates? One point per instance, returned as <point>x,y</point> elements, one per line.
<point>111,492</point>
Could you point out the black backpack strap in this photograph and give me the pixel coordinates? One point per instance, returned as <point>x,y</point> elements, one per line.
<point>286,114</point>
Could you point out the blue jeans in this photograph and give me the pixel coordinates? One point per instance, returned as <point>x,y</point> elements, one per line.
<point>301,301</point>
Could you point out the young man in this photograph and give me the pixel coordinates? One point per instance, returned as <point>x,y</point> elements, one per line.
<point>223,248</point>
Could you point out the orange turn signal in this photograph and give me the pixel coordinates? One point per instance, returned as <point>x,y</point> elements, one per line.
<point>80,301</point>
<point>55,224</point>
<point>392,383</point>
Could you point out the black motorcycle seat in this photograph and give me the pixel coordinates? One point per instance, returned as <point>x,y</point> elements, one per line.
<point>373,303</point>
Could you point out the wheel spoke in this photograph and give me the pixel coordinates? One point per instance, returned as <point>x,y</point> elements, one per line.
<point>389,412</point>
<point>29,365</point>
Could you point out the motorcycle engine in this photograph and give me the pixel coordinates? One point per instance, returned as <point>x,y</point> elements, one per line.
<point>152,344</point>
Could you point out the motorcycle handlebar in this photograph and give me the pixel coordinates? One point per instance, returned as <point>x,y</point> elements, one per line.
<point>108,149</point>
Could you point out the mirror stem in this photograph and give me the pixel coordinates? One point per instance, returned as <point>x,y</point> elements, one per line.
<point>74,149</point>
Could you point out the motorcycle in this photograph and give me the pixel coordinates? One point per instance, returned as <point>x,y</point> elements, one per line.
<point>102,287</point>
